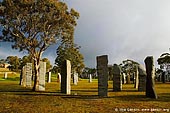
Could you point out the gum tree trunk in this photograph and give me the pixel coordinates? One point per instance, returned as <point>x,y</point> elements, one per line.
<point>37,69</point>
<point>36,77</point>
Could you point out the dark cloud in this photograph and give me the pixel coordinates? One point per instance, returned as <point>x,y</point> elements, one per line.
<point>122,29</point>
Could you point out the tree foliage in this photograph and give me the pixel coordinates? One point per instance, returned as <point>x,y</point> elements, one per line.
<point>87,71</point>
<point>48,64</point>
<point>164,60</point>
<point>129,67</point>
<point>25,60</point>
<point>14,62</point>
<point>69,51</point>
<point>34,25</point>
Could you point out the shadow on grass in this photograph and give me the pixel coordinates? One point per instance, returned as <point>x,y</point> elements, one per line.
<point>164,97</point>
<point>84,90</point>
<point>84,97</point>
<point>132,98</point>
<point>16,91</point>
<point>129,98</point>
<point>10,79</point>
<point>124,90</point>
<point>83,94</point>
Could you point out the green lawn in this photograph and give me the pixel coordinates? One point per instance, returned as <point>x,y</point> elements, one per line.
<point>83,98</point>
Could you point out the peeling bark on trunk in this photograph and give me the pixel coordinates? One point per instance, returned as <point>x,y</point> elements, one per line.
<point>37,57</point>
<point>36,79</point>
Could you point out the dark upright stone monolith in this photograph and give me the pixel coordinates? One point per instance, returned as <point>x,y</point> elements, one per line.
<point>66,77</point>
<point>117,78</point>
<point>102,72</point>
<point>49,77</point>
<point>163,77</point>
<point>142,78</point>
<point>150,70</point>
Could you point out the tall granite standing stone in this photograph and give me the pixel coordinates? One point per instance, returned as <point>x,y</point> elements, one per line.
<point>102,72</point>
<point>150,70</point>
<point>5,75</point>
<point>136,77</point>
<point>110,76</point>
<point>163,77</point>
<point>23,80</point>
<point>75,78</point>
<point>117,78</point>
<point>42,73</point>
<point>66,77</point>
<point>49,77</point>
<point>28,69</point>
<point>123,78</point>
<point>21,74</point>
<point>142,78</point>
<point>128,78</point>
<point>59,77</point>
<point>90,78</point>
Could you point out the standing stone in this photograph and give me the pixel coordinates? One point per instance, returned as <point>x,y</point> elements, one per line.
<point>75,78</point>
<point>117,78</point>
<point>49,77</point>
<point>28,69</point>
<point>142,78</point>
<point>110,68</point>
<point>42,76</point>
<point>66,77</point>
<point>21,75</point>
<point>102,72</point>
<point>90,78</point>
<point>23,80</point>
<point>128,78</point>
<point>163,77</point>
<point>136,77</point>
<point>123,78</point>
<point>5,75</point>
<point>150,70</point>
<point>59,77</point>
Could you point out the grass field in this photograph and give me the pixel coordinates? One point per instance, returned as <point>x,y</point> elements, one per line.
<point>83,98</point>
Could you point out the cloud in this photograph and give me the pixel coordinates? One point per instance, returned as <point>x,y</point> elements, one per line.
<point>121,29</point>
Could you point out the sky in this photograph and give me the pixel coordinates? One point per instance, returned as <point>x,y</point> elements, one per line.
<point>121,29</point>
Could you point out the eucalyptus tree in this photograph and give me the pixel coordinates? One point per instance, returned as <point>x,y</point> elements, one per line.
<point>14,62</point>
<point>34,25</point>
<point>69,51</point>
<point>164,60</point>
<point>129,67</point>
<point>25,60</point>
